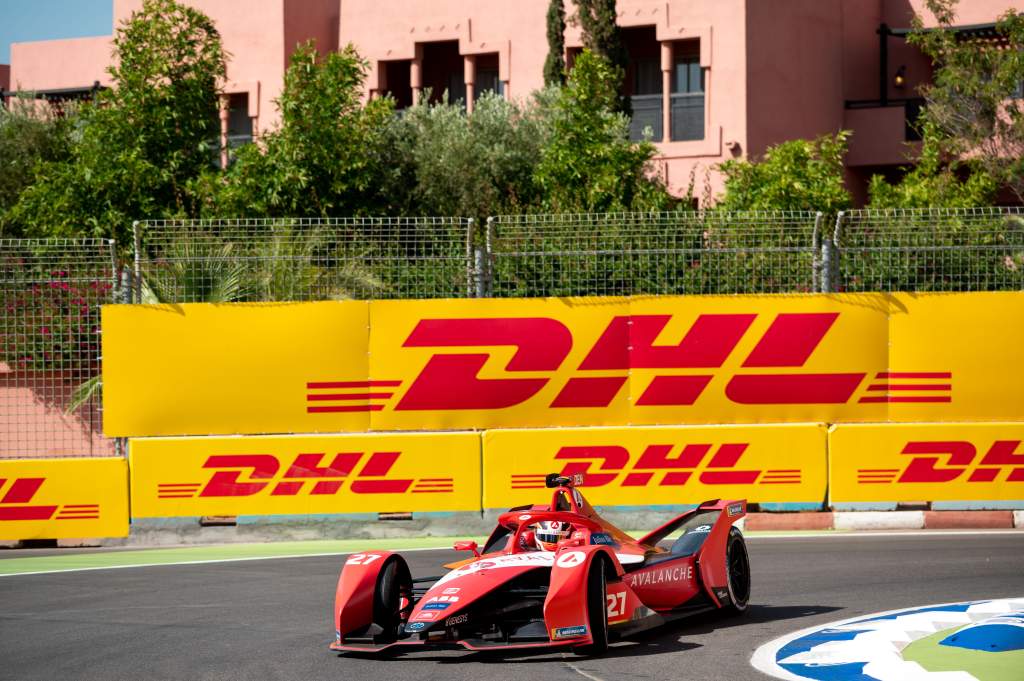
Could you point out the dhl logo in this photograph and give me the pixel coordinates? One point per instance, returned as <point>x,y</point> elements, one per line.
<point>945,461</point>
<point>245,475</point>
<point>660,465</point>
<point>450,380</point>
<point>15,504</point>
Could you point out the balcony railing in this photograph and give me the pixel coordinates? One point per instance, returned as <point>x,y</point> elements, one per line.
<point>687,116</point>
<point>646,113</point>
<point>912,107</point>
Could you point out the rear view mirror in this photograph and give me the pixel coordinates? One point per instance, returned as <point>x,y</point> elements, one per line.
<point>468,546</point>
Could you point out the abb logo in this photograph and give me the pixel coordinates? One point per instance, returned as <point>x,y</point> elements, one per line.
<point>450,380</point>
<point>244,475</point>
<point>660,465</point>
<point>945,461</point>
<point>15,504</point>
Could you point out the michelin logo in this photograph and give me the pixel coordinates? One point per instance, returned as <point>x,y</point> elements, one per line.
<point>570,632</point>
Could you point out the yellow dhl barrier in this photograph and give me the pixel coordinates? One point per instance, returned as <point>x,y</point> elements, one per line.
<point>63,498</point>
<point>926,462</point>
<point>461,364</point>
<point>293,475</point>
<point>659,465</point>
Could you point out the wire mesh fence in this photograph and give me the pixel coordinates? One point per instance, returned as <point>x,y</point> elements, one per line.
<point>653,253</point>
<point>51,290</point>
<point>302,259</point>
<point>50,294</point>
<point>969,249</point>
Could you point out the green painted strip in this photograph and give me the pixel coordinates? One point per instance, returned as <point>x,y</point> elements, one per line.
<point>220,552</point>
<point>983,665</point>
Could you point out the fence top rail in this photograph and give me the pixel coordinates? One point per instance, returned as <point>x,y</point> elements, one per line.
<point>303,222</point>
<point>47,243</point>
<point>978,211</point>
<point>695,216</point>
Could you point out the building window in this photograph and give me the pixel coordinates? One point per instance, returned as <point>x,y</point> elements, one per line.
<point>239,121</point>
<point>687,99</point>
<point>443,72</point>
<point>643,83</point>
<point>487,76</point>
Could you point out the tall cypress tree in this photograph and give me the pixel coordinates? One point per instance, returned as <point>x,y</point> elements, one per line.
<point>554,65</point>
<point>604,37</point>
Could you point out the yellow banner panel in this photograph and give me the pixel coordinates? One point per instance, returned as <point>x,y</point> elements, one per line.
<point>63,498</point>
<point>953,357</point>
<point>204,369</point>
<point>304,474</point>
<point>926,462</point>
<point>662,465</point>
<point>494,363</point>
<point>476,364</point>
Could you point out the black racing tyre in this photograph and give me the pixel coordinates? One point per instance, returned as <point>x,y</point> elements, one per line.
<point>737,563</point>
<point>387,600</point>
<point>597,607</point>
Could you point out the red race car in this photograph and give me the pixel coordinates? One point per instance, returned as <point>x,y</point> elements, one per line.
<point>550,575</point>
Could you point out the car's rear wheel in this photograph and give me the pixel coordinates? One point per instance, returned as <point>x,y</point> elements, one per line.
<point>597,608</point>
<point>738,564</point>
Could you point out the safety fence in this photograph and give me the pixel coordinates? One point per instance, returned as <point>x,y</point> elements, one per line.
<point>846,466</point>
<point>50,290</point>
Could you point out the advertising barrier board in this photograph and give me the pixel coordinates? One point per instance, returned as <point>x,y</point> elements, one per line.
<point>926,462</point>
<point>513,363</point>
<point>660,465</point>
<point>304,474</point>
<point>63,498</point>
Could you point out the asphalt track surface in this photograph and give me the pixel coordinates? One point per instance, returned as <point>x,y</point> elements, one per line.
<point>270,619</point>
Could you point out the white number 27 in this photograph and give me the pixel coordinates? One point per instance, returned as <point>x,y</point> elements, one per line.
<point>616,604</point>
<point>363,559</point>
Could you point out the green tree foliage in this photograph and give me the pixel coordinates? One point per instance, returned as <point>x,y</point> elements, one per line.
<point>471,165</point>
<point>589,163</point>
<point>934,184</point>
<point>322,161</point>
<point>793,175</point>
<point>554,64</point>
<point>31,133</point>
<point>974,106</point>
<point>602,36</point>
<point>145,140</point>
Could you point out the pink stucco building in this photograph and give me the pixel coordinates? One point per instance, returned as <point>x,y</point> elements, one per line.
<point>710,79</point>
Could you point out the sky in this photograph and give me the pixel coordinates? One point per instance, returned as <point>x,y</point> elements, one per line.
<point>24,20</point>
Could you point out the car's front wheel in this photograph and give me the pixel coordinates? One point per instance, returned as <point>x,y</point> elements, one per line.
<point>597,607</point>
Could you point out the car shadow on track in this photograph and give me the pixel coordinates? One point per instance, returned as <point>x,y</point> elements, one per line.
<point>660,641</point>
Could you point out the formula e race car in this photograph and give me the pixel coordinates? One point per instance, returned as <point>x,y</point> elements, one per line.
<point>550,575</point>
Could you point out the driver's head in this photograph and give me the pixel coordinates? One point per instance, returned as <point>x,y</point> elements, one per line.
<point>549,533</point>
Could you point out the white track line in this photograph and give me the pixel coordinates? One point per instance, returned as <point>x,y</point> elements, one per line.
<point>832,534</point>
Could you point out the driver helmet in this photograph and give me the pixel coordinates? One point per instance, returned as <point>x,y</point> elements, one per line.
<point>549,533</point>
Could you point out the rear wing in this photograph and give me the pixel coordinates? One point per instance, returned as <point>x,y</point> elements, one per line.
<point>732,510</point>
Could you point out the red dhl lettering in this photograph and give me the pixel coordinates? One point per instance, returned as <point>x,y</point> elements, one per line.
<point>450,380</point>
<point>15,504</point>
<point>661,465</point>
<point>946,461</point>
<point>244,475</point>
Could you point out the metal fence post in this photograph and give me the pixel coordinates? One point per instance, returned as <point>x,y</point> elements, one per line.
<point>470,259</point>
<point>816,253</point>
<point>489,257</point>
<point>137,263</point>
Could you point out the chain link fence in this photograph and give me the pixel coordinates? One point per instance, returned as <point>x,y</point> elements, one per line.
<point>50,291</point>
<point>652,253</point>
<point>50,294</point>
<point>973,249</point>
<point>306,259</point>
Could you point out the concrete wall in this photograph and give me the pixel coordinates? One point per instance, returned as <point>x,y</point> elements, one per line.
<point>57,64</point>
